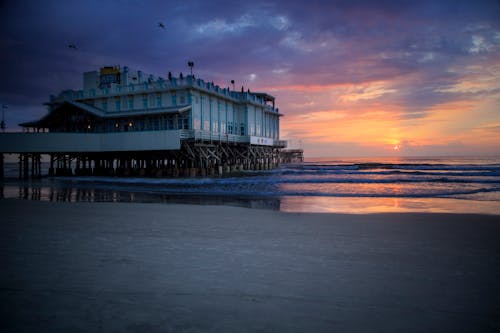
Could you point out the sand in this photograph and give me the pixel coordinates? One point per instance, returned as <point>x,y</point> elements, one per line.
<point>114,267</point>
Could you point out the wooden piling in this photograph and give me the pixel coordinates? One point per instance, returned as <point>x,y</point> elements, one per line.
<point>2,173</point>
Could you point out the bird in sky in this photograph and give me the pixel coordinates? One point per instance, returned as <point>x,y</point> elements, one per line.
<point>161,25</point>
<point>72,46</point>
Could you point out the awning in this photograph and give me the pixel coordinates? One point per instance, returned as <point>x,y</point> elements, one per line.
<point>106,115</point>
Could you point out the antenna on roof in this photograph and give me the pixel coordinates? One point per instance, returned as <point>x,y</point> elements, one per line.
<point>191,65</point>
<point>232,82</point>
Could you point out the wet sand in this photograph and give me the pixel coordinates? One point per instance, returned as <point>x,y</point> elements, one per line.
<point>116,267</point>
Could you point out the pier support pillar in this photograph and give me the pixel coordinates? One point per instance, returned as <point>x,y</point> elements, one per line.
<point>26,166</point>
<point>175,172</point>
<point>33,166</point>
<point>20,166</point>
<point>2,174</point>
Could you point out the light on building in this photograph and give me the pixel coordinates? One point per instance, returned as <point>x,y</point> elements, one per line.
<point>116,125</point>
<point>130,124</point>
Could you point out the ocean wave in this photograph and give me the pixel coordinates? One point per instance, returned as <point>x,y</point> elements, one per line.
<point>400,166</point>
<point>276,180</point>
<point>243,192</point>
<point>411,180</point>
<point>388,172</point>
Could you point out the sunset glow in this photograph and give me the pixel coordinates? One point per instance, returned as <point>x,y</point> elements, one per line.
<point>351,79</point>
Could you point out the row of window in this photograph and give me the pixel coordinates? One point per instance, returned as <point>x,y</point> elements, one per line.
<point>169,122</point>
<point>149,124</point>
<point>153,124</point>
<point>147,101</point>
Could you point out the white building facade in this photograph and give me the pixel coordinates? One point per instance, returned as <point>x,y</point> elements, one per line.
<point>125,119</point>
<point>120,99</point>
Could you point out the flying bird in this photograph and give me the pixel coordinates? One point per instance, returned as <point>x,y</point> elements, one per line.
<point>161,25</point>
<point>72,46</point>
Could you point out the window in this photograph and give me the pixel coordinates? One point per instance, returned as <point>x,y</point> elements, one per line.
<point>174,99</point>
<point>131,102</point>
<point>144,101</point>
<point>117,104</point>
<point>105,105</point>
<point>242,129</point>
<point>139,124</point>
<point>183,123</point>
<point>158,100</point>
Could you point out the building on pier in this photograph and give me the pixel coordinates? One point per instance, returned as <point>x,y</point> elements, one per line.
<point>126,122</point>
<point>292,156</point>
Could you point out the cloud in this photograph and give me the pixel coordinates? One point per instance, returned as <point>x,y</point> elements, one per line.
<point>368,91</point>
<point>221,26</point>
<point>344,68</point>
<point>479,45</point>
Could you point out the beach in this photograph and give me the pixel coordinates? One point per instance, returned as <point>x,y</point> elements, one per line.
<point>135,267</point>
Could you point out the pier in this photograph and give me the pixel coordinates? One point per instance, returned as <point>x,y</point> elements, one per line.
<point>196,156</point>
<point>128,123</point>
<point>292,156</point>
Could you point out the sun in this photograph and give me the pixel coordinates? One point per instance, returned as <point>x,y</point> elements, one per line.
<point>397,147</point>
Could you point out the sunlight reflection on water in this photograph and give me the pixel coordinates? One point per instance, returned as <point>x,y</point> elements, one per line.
<point>387,205</point>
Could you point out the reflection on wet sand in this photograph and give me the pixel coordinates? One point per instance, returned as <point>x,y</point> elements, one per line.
<point>319,204</point>
<point>37,191</point>
<point>368,205</point>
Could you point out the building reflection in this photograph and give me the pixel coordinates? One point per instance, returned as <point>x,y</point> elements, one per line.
<point>55,192</point>
<point>45,192</point>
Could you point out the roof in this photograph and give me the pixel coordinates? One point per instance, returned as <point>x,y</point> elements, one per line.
<point>101,114</point>
<point>264,96</point>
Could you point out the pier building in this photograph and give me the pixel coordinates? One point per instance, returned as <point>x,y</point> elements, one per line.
<point>125,122</point>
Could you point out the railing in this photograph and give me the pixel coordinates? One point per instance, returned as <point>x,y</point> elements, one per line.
<point>117,90</point>
<point>281,143</point>
<point>222,137</point>
<point>209,136</point>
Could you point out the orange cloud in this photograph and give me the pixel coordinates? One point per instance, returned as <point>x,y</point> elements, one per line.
<point>379,127</point>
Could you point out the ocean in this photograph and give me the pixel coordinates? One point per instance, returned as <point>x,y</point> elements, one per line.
<point>341,185</point>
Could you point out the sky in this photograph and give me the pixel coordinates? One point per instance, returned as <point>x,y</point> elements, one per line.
<point>352,78</point>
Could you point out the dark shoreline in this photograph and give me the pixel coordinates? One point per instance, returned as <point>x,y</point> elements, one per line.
<point>130,267</point>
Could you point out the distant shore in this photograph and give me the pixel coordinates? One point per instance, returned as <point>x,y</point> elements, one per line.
<point>130,267</point>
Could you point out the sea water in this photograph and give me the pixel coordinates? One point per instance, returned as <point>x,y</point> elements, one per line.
<point>343,185</point>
